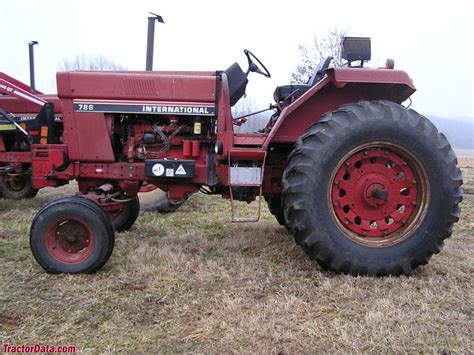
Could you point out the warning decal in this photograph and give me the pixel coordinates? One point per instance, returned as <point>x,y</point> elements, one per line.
<point>170,168</point>
<point>180,171</point>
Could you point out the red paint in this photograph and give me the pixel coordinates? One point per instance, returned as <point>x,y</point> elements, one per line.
<point>69,241</point>
<point>147,86</point>
<point>249,139</point>
<point>354,193</point>
<point>18,83</point>
<point>186,148</point>
<point>86,152</point>
<point>148,188</point>
<point>8,88</point>
<point>340,86</point>
<point>195,148</point>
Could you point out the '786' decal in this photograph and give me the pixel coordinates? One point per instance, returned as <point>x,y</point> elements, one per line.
<point>84,107</point>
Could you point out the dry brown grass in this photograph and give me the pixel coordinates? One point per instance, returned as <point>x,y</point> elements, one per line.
<point>192,281</point>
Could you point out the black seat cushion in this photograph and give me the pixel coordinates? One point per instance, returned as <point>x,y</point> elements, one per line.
<point>294,91</point>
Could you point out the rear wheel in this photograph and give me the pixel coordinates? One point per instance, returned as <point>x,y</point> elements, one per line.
<point>372,189</point>
<point>18,187</point>
<point>71,235</point>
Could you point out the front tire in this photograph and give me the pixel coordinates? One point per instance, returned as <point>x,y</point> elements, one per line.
<point>124,218</point>
<point>275,207</point>
<point>372,189</point>
<point>18,187</point>
<point>71,235</point>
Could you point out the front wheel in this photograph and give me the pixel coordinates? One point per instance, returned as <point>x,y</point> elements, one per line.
<point>372,189</point>
<point>125,216</point>
<point>275,207</point>
<point>18,187</point>
<point>71,235</point>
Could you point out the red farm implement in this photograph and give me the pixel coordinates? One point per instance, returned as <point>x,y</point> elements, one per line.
<point>366,185</point>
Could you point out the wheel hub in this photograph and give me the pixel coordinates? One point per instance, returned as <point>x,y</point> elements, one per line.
<point>374,193</point>
<point>72,237</point>
<point>17,183</point>
<point>69,241</point>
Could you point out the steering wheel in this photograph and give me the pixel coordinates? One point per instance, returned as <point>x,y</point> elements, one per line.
<point>254,67</point>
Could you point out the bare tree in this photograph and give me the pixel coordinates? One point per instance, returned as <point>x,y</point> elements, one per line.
<point>330,45</point>
<point>93,63</point>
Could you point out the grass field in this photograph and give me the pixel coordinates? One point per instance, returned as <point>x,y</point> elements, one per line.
<point>192,281</point>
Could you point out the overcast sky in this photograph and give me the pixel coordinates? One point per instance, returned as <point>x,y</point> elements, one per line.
<point>431,40</point>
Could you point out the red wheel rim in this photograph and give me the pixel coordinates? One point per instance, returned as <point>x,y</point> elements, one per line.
<point>147,188</point>
<point>379,194</point>
<point>69,241</point>
<point>115,210</point>
<point>116,214</point>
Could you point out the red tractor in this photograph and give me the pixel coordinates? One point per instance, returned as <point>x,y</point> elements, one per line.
<point>21,126</point>
<point>367,186</point>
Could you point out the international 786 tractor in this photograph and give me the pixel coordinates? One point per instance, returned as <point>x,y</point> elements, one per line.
<point>365,185</point>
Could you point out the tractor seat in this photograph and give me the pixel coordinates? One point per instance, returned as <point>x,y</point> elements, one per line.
<point>291,92</point>
<point>282,93</point>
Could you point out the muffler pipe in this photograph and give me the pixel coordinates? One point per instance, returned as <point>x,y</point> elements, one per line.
<point>32,66</point>
<point>150,42</point>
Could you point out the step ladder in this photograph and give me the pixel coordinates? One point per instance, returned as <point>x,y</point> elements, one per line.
<point>245,176</point>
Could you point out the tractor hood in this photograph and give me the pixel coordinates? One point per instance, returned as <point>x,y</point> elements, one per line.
<point>157,86</point>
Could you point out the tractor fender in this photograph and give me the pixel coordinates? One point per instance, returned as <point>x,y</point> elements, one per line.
<point>340,86</point>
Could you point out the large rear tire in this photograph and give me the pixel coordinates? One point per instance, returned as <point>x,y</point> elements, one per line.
<point>71,235</point>
<point>372,189</point>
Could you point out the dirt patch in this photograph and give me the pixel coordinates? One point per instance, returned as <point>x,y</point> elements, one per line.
<point>10,319</point>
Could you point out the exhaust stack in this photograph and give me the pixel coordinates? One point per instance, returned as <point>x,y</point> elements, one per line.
<point>151,39</point>
<point>32,65</point>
